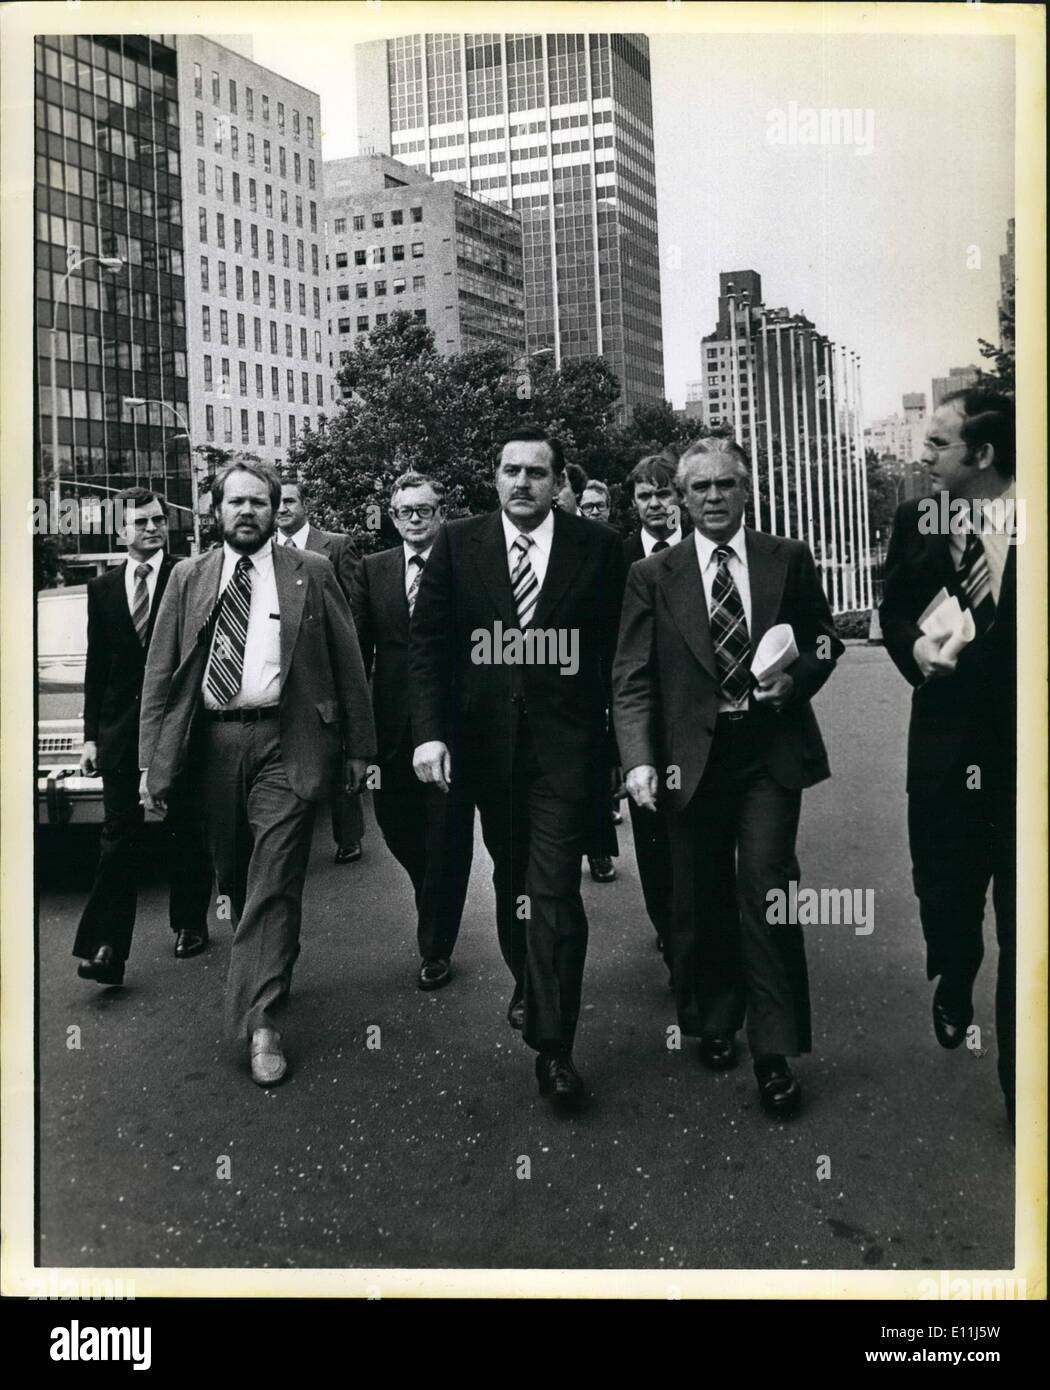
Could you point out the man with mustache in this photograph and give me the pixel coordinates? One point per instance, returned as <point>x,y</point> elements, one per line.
<point>255,677</point>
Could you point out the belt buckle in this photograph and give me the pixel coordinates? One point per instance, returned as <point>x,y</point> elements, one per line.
<point>735,715</point>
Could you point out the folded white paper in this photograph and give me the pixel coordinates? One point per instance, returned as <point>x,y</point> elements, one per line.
<point>946,617</point>
<point>776,652</point>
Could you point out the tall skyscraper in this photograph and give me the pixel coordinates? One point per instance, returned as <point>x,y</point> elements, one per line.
<point>791,398</point>
<point>559,128</point>
<point>1006,290</point>
<point>958,379</point>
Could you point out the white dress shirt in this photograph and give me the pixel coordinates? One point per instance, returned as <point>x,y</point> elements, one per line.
<point>297,538</point>
<point>996,542</point>
<point>539,552</point>
<point>261,678</point>
<point>649,542</point>
<point>410,569</point>
<point>708,561</point>
<point>131,580</point>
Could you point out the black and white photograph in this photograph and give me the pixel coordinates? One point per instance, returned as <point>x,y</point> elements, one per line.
<point>519,776</point>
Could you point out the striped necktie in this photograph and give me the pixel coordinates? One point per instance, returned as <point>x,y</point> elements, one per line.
<point>975,583</point>
<point>226,668</point>
<point>524,583</point>
<point>140,602</point>
<point>413,586</point>
<point>729,631</point>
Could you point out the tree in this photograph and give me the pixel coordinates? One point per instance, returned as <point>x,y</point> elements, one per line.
<point>1003,377</point>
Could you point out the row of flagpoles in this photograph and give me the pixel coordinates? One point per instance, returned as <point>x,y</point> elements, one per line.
<point>825,470</point>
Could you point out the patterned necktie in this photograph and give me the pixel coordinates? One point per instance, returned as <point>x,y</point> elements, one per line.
<point>524,583</point>
<point>975,582</point>
<point>660,545</point>
<point>226,667</point>
<point>413,587</point>
<point>140,602</point>
<point>729,631</point>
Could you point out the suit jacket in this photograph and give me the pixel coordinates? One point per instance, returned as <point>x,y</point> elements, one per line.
<point>473,706</point>
<point>380,608</point>
<point>340,550</point>
<point>324,702</point>
<point>115,666</point>
<point>665,679</point>
<point>969,716</point>
<point>633,550</point>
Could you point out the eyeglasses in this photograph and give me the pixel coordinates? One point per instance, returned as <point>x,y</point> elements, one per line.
<point>406,513</point>
<point>940,448</point>
<point>588,507</point>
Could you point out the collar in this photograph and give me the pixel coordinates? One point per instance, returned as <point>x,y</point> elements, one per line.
<point>424,555</point>
<point>298,538</point>
<point>262,560</point>
<point>542,537</point>
<point>155,561</point>
<point>649,540</point>
<point>705,547</point>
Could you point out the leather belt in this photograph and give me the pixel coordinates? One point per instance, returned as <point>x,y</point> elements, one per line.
<point>243,716</point>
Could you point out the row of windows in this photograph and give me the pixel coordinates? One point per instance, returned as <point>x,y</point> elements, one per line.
<point>225,380</point>
<point>223,131</point>
<point>249,103</point>
<point>242,334</point>
<point>59,121</point>
<point>379,288</point>
<point>253,196</point>
<point>397,219</point>
<point>420,315</point>
<point>253,241</point>
<point>376,255</point>
<point>245,423</point>
<point>240,287</point>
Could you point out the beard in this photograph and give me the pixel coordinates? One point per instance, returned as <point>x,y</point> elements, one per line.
<point>247,542</point>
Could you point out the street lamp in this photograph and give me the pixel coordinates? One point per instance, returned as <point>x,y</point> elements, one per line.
<point>134,403</point>
<point>110,263</point>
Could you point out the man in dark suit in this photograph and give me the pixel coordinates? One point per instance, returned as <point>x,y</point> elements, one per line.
<point>651,491</point>
<point>254,676</point>
<point>962,783</point>
<point>511,645</point>
<point>122,606</point>
<point>294,528</point>
<point>735,760</point>
<point>430,835</point>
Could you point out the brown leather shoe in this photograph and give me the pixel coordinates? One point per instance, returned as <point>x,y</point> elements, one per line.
<point>269,1066</point>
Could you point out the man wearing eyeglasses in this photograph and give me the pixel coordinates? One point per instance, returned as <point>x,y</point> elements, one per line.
<point>962,784</point>
<point>430,835</point>
<point>294,528</point>
<point>122,608</point>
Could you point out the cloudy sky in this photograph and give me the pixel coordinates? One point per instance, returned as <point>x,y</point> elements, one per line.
<point>894,252</point>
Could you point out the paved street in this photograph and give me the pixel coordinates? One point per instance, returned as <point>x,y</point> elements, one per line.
<point>409,1154</point>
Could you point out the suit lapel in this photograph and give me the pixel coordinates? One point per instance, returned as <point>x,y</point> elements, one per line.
<point>393,601</point>
<point>684,590</point>
<point>166,566</point>
<point>490,560</point>
<point>291,599</point>
<point>565,559</point>
<point>317,540</point>
<point>202,589</point>
<point>766,571</point>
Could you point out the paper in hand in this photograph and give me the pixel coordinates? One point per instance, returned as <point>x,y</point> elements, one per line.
<point>776,652</point>
<point>944,616</point>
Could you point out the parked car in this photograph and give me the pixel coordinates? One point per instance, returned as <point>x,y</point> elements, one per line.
<point>63,795</point>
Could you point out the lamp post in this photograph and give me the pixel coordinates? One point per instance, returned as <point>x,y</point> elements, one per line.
<point>111,263</point>
<point>134,403</point>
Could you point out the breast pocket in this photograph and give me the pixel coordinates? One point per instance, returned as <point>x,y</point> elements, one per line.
<point>272,644</point>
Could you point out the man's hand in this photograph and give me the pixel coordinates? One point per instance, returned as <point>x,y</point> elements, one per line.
<point>89,759</point>
<point>642,785</point>
<point>156,804</point>
<point>776,692</point>
<point>356,773</point>
<point>433,763</point>
<point>927,653</point>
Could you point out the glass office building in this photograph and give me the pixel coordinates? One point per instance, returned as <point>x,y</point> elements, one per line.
<point>108,188</point>
<point>557,127</point>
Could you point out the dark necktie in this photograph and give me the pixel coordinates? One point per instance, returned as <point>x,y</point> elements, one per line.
<point>524,583</point>
<point>226,668</point>
<point>729,631</point>
<point>660,545</point>
<point>417,562</point>
<point>975,582</point>
<point>140,602</point>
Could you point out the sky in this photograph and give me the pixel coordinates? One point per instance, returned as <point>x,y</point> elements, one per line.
<point>893,252</point>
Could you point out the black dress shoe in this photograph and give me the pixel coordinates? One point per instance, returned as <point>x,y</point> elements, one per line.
<point>103,968</point>
<point>559,1080</point>
<point>952,1013</point>
<point>516,1013</point>
<point>780,1093</point>
<point>434,973</point>
<point>718,1053</point>
<point>190,942</point>
<point>602,868</point>
<point>348,854</point>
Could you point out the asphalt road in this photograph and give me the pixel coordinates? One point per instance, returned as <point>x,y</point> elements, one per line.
<point>412,1153</point>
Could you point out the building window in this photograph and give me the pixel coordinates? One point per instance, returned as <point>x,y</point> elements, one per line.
<point>310,130</point>
<point>235,142</point>
<point>280,116</point>
<point>242,377</point>
<point>381,320</point>
<point>202,223</point>
<point>317,302</point>
<point>295,124</point>
<point>266,108</point>
<point>215,88</point>
<point>319,382</point>
<point>339,226</point>
<point>303,350</point>
<point>257,334</point>
<point>204,273</point>
<point>206,323</point>
<point>251,148</point>
<point>260,425</point>
<point>289,347</point>
<point>302,299</point>
<point>233,95</point>
<point>291,430</point>
<point>253,196</point>
<point>258,379</point>
<point>208,379</point>
<point>198,80</point>
<point>420,315</point>
<point>288,296</point>
<point>227,424</point>
<point>198,123</point>
<point>289,377</point>
<point>377,219</point>
<point>379,288</point>
<point>282,165</point>
<point>284,205</point>
<point>266,156</point>
<point>341,260</point>
<point>306,388</point>
<point>399,286</point>
<point>268,198</point>
<point>360,257</point>
<point>362,323</point>
<point>298,211</point>
<point>224,326</point>
<point>220,229</point>
<point>209,423</point>
<point>238,281</point>
<point>276,428</point>
<point>314,258</point>
<point>275,382</point>
<point>249,103</point>
<point>202,176</point>
<point>419,282</point>
<point>222,277</point>
<point>311,174</point>
<point>217,126</point>
<point>416,214</point>
<point>398,253</point>
<point>360,290</point>
<point>397,217</point>
<point>273,337</point>
<point>359,222</point>
<point>286,253</point>
<point>297,167</point>
<point>218,180</point>
<point>236,188</point>
<point>344,325</point>
<point>417,250</point>
<point>269,245</point>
